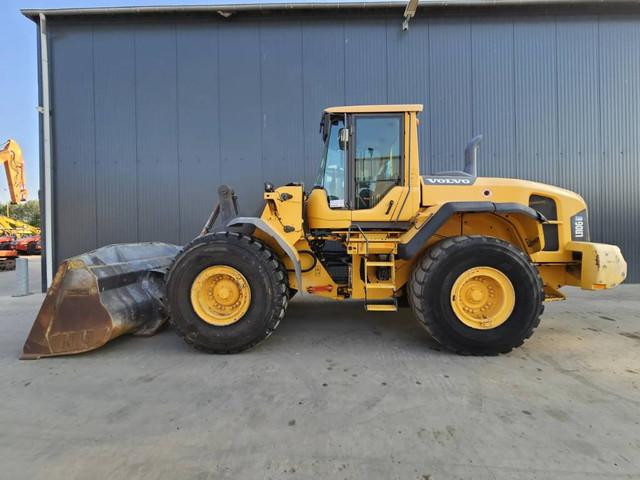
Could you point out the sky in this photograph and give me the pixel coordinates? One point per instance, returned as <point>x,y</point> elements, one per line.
<point>19,70</point>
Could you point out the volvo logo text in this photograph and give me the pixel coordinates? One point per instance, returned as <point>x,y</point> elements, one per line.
<point>449,181</point>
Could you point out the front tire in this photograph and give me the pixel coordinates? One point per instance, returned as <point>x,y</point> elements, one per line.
<point>226,293</point>
<point>502,295</point>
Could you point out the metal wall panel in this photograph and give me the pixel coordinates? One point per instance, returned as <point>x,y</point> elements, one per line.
<point>157,133</point>
<point>149,117</point>
<point>620,116</point>
<point>281,78</point>
<point>493,97</point>
<point>323,84</point>
<point>240,120</point>
<point>198,125</point>
<point>365,46</point>
<point>74,174</point>
<point>536,102</point>
<point>578,113</point>
<point>450,80</point>
<point>408,73</point>
<point>116,172</point>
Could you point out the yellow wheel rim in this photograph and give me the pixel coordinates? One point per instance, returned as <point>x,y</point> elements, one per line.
<point>220,295</point>
<point>483,298</point>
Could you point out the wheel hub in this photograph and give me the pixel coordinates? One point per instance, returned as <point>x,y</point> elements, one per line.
<point>220,295</point>
<point>482,298</point>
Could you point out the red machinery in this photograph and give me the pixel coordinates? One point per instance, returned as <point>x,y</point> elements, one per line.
<point>28,245</point>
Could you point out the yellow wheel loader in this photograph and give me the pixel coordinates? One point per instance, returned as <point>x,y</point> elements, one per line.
<point>473,257</point>
<point>13,161</point>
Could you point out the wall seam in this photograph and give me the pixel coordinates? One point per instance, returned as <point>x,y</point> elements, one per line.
<point>560,159</point>
<point>600,114</point>
<point>386,57</point>
<point>515,100</point>
<point>344,62</point>
<point>218,42</point>
<point>471,78</point>
<point>135,117</point>
<point>304,143</point>
<point>95,152</point>
<point>262,159</point>
<point>429,150</point>
<point>178,152</point>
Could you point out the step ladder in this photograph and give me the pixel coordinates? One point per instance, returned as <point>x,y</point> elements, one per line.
<point>386,305</point>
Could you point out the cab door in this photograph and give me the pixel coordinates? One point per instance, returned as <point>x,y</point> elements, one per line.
<point>327,206</point>
<point>377,186</point>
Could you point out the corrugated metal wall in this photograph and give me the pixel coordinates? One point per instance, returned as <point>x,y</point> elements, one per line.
<point>150,117</point>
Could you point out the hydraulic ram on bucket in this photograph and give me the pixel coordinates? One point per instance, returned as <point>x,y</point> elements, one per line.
<point>98,296</point>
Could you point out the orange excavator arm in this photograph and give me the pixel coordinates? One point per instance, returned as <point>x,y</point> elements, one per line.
<point>11,157</point>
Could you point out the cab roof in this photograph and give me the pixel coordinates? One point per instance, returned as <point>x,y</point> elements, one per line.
<point>409,107</point>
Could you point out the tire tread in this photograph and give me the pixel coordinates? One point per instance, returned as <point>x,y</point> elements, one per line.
<point>280,300</point>
<point>423,311</point>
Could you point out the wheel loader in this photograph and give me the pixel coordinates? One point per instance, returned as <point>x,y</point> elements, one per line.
<point>474,258</point>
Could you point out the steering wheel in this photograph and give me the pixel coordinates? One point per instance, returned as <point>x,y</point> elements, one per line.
<point>364,197</point>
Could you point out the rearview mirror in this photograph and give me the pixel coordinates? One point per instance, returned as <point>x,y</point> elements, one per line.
<point>343,138</point>
<point>325,125</point>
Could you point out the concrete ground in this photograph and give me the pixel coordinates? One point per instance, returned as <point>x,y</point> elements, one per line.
<point>334,393</point>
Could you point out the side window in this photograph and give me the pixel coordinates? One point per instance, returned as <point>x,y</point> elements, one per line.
<point>378,156</point>
<point>332,169</point>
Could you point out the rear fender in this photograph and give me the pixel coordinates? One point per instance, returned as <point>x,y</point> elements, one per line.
<point>520,230</point>
<point>414,246</point>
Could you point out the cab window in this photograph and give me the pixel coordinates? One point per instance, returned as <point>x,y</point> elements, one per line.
<point>377,158</point>
<point>332,169</point>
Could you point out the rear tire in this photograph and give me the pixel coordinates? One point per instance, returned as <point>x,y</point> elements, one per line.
<point>266,279</point>
<point>434,278</point>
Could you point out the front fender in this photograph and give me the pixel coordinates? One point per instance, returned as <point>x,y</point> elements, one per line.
<point>286,247</point>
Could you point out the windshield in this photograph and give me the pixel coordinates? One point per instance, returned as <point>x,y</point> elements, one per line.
<point>332,168</point>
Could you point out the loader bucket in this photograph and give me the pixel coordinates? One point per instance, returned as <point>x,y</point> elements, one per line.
<point>98,296</point>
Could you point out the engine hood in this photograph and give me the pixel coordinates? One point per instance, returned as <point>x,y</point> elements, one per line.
<point>438,189</point>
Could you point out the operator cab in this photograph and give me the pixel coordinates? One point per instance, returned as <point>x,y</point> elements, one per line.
<point>362,158</point>
<point>371,157</point>
<point>370,153</point>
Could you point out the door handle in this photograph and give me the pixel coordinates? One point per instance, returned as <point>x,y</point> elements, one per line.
<point>389,205</point>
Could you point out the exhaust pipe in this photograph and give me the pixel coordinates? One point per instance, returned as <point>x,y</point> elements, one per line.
<point>471,156</point>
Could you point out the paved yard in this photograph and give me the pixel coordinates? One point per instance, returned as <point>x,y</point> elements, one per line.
<point>335,393</point>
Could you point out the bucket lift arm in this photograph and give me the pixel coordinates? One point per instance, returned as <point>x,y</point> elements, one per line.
<point>11,157</point>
